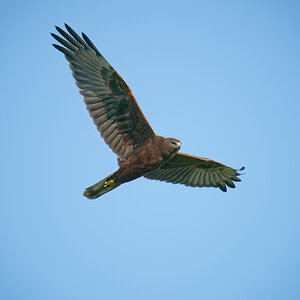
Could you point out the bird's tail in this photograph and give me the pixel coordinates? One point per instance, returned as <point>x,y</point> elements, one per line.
<point>105,185</point>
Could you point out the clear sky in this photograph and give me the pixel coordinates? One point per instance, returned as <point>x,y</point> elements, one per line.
<point>221,76</point>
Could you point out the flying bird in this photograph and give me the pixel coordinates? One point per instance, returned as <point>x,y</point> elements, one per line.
<point>125,129</point>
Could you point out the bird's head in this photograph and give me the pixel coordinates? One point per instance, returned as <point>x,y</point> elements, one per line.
<point>172,145</point>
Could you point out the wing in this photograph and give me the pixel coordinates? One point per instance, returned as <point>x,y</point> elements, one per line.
<point>108,99</point>
<point>195,171</point>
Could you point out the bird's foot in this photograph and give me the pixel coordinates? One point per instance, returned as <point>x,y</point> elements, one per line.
<point>109,183</point>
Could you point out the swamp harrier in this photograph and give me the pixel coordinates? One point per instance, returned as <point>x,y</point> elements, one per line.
<point>125,129</point>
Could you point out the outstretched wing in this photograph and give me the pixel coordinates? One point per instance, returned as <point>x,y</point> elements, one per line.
<point>195,171</point>
<point>108,99</point>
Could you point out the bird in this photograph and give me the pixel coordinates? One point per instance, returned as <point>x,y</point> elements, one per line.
<point>124,128</point>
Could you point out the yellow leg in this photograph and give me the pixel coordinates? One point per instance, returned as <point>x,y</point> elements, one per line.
<point>109,183</point>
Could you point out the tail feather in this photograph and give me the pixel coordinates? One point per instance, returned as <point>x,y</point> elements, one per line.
<point>103,186</point>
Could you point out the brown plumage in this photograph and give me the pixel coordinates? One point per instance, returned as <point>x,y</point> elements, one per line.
<point>125,129</point>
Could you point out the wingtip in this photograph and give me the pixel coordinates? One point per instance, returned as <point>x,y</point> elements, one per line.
<point>58,47</point>
<point>230,183</point>
<point>58,29</point>
<point>84,35</point>
<point>241,169</point>
<point>222,188</point>
<point>69,28</point>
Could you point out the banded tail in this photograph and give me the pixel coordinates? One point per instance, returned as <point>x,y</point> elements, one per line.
<point>103,186</point>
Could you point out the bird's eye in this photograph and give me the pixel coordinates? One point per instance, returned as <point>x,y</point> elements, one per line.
<point>174,143</point>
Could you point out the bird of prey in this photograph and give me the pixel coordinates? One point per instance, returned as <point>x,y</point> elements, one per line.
<point>125,129</point>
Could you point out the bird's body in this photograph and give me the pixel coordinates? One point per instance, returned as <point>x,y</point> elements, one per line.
<point>147,157</point>
<point>144,159</point>
<point>125,129</point>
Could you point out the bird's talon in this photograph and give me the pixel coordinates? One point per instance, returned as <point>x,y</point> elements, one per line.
<point>109,183</point>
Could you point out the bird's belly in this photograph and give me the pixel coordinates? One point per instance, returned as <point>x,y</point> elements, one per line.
<point>135,168</point>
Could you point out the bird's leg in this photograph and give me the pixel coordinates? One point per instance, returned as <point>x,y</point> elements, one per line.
<point>103,186</point>
<point>109,183</point>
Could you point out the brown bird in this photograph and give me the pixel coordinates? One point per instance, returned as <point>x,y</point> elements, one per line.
<point>125,129</point>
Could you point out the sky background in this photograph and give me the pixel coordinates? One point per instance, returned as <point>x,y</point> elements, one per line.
<point>222,77</point>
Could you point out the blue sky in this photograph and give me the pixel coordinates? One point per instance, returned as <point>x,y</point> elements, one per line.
<point>222,77</point>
